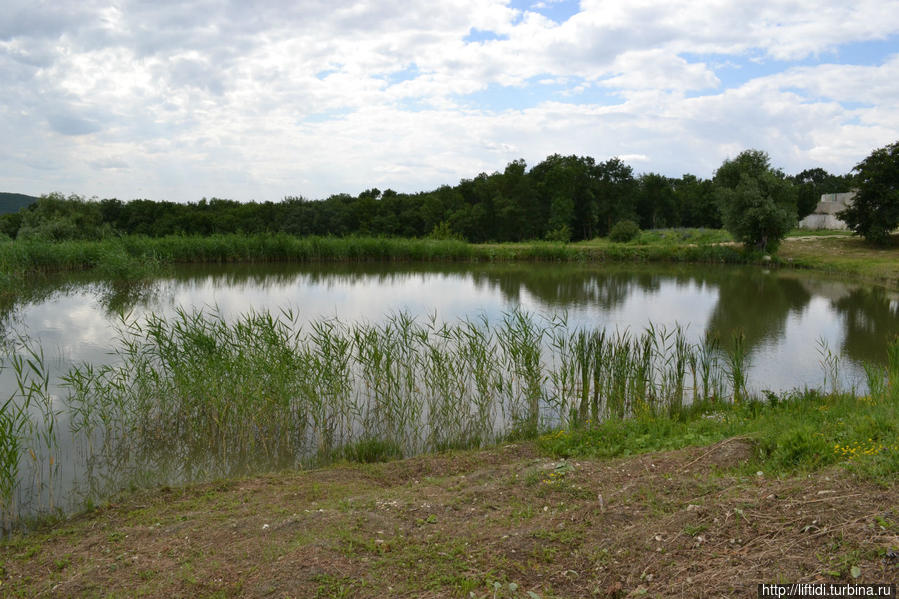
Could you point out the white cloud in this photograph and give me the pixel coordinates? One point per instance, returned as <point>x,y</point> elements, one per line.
<point>180,100</point>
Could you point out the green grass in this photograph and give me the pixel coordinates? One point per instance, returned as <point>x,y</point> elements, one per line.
<point>819,233</point>
<point>797,432</point>
<point>847,255</point>
<point>682,236</point>
<point>139,257</point>
<point>194,396</point>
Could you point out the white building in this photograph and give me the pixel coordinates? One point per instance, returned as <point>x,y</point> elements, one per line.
<point>825,214</point>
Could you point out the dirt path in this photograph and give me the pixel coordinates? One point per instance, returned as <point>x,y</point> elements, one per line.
<point>676,524</point>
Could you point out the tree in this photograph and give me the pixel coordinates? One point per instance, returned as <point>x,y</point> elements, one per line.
<point>54,217</point>
<point>616,193</point>
<point>696,201</point>
<point>875,210</point>
<point>758,203</point>
<point>656,202</point>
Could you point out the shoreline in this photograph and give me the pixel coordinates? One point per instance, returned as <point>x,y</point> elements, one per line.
<point>134,257</point>
<point>506,522</point>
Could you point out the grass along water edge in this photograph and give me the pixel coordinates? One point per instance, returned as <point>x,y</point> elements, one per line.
<point>139,257</point>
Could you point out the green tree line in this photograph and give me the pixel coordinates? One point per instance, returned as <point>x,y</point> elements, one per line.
<point>561,198</point>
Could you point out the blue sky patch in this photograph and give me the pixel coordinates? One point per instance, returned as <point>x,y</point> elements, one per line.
<point>734,71</point>
<point>869,53</point>
<point>497,98</point>
<point>324,74</point>
<point>406,74</point>
<point>481,35</point>
<point>556,10</point>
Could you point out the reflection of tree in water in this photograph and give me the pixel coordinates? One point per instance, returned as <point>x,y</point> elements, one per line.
<point>757,304</point>
<point>116,296</point>
<point>871,322</point>
<point>557,285</point>
<point>749,300</point>
<point>120,297</point>
<point>564,287</point>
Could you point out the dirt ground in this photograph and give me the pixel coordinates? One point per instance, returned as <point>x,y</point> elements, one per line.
<point>506,522</point>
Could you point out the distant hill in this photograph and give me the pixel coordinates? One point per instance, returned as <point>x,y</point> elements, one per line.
<point>13,202</point>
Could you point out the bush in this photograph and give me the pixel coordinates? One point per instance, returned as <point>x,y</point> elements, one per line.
<point>624,231</point>
<point>561,233</point>
<point>444,231</point>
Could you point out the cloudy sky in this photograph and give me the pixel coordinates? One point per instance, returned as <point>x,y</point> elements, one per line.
<point>258,100</point>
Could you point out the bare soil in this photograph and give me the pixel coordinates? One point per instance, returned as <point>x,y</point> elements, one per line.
<point>688,523</point>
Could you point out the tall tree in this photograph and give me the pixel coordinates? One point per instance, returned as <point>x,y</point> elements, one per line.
<point>656,202</point>
<point>758,202</point>
<point>616,193</point>
<point>697,203</point>
<point>875,211</point>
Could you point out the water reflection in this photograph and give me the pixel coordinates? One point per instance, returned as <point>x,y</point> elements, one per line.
<point>756,304</point>
<point>782,316</point>
<point>870,316</point>
<point>771,309</point>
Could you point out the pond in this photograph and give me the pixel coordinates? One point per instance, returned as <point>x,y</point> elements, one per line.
<point>789,321</point>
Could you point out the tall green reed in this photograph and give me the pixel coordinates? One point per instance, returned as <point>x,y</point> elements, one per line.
<point>197,394</point>
<point>28,420</point>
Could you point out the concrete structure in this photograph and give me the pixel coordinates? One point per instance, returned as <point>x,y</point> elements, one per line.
<point>825,214</point>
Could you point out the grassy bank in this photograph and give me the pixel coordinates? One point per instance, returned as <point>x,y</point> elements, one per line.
<point>851,256</point>
<point>727,490</point>
<point>196,396</point>
<point>516,520</point>
<point>134,256</point>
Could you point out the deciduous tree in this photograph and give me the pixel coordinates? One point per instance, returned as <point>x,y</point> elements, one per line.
<point>875,210</point>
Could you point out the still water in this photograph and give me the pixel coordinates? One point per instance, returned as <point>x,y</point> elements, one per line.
<point>789,319</point>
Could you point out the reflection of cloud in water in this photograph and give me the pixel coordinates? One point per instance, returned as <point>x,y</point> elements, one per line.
<point>674,303</point>
<point>782,314</point>
<point>363,298</point>
<point>71,325</point>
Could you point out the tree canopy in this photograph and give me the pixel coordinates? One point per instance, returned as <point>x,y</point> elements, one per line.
<point>562,197</point>
<point>874,212</point>
<point>758,202</point>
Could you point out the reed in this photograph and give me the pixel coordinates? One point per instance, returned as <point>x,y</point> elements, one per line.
<point>137,256</point>
<point>28,434</point>
<point>194,395</point>
<point>264,390</point>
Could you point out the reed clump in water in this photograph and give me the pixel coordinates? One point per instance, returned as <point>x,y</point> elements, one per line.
<point>196,395</point>
<point>264,390</point>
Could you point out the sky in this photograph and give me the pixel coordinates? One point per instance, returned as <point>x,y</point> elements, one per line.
<point>261,100</point>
